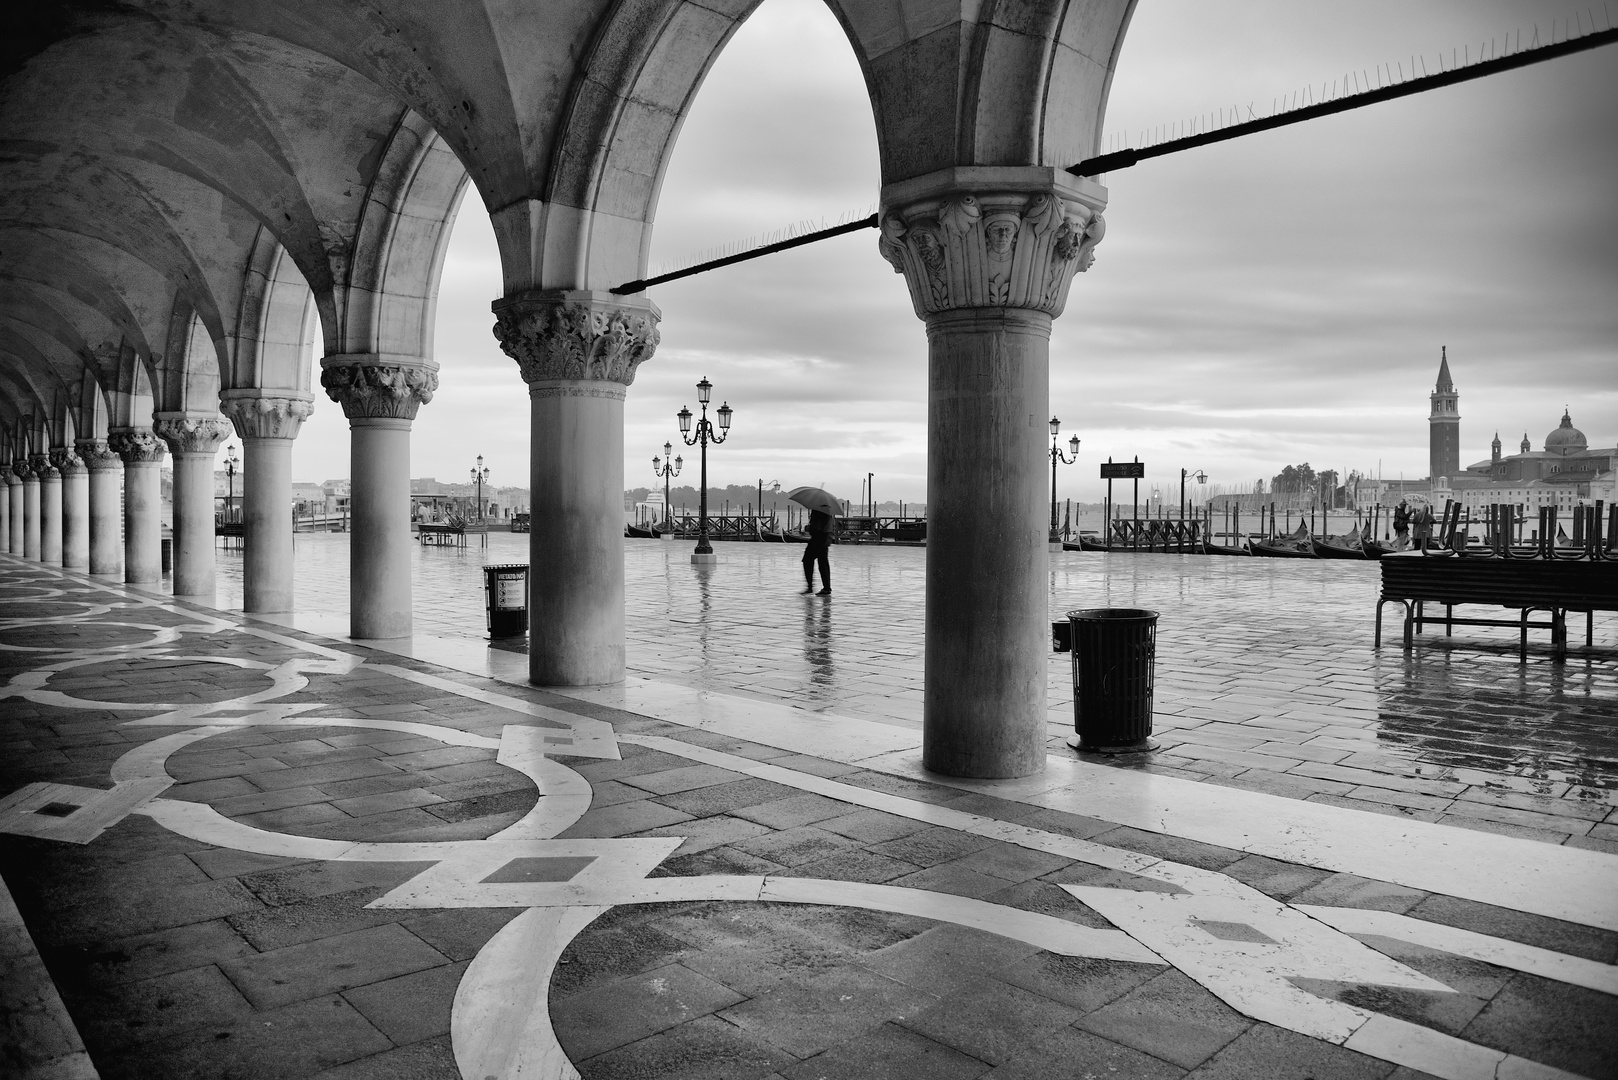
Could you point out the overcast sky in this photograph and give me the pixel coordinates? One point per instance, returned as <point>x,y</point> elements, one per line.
<point>1276,299</point>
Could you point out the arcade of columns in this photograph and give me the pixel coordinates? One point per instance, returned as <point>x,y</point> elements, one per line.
<point>976,215</point>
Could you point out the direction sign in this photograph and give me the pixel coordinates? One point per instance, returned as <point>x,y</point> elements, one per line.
<point>1123,470</point>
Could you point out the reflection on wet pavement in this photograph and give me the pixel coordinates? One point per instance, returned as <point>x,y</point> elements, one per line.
<point>1266,676</point>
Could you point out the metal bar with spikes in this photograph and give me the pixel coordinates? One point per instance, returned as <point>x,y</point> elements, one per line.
<point>729,260</point>
<point>1123,159</point>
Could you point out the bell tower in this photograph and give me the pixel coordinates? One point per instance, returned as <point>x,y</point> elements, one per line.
<point>1444,424</point>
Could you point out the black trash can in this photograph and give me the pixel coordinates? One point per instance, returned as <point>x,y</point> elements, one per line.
<point>505,592</point>
<point>1114,652</point>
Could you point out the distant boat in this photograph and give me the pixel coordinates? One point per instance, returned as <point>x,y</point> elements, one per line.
<point>1346,546</point>
<point>909,532</point>
<point>795,536</point>
<point>1296,546</point>
<point>638,533</point>
<point>1212,548</point>
<point>771,536</point>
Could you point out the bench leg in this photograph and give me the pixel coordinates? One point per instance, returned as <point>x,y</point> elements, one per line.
<point>1522,645</point>
<point>1449,614</point>
<point>1589,628</point>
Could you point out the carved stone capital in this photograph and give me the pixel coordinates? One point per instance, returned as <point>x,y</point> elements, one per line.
<point>991,237</point>
<point>135,446</point>
<point>191,434</point>
<point>96,455</point>
<point>266,414</point>
<point>579,337</point>
<point>40,466</point>
<point>378,387</point>
<point>21,470</point>
<point>65,461</point>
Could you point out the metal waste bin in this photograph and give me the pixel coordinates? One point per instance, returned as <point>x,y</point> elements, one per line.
<point>505,592</point>
<point>1114,653</point>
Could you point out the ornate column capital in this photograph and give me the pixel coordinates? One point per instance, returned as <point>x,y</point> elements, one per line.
<point>65,461</point>
<point>267,414</point>
<point>135,446</point>
<point>991,236</point>
<point>20,469</point>
<point>369,385</point>
<point>191,434</point>
<point>40,466</point>
<point>96,455</point>
<point>574,337</point>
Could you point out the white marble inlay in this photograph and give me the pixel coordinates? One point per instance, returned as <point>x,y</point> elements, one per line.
<point>97,810</point>
<point>500,1025</point>
<point>590,738</point>
<point>1362,922</point>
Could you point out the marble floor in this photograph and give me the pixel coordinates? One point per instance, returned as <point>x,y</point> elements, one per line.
<point>236,848</point>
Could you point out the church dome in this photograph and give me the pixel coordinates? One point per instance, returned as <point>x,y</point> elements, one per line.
<point>1566,439</point>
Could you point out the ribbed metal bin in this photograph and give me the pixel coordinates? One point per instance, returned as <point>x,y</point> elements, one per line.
<point>505,591</point>
<point>1114,657</point>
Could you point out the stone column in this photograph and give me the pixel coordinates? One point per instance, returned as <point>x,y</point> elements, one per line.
<point>194,441</point>
<point>14,514</point>
<point>267,422</point>
<point>578,352</point>
<point>50,510</point>
<point>30,509</point>
<point>106,520</point>
<point>5,507</point>
<point>988,253</point>
<point>75,508</point>
<point>380,396</point>
<point>142,453</point>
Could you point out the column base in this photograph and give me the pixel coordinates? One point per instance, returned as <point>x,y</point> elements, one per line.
<point>704,558</point>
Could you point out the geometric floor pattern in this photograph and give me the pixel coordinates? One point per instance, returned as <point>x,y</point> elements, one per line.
<point>241,850</point>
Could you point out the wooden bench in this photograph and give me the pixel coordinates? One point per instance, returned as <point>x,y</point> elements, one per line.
<point>1550,586</point>
<point>441,535</point>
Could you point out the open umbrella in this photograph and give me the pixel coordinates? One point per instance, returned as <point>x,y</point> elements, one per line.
<point>816,499</point>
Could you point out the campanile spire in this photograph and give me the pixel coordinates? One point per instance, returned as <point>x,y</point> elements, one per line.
<point>1444,423</point>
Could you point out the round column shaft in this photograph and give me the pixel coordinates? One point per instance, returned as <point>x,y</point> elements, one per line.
<point>986,643</point>
<point>267,422</point>
<point>50,517</point>
<point>380,398</point>
<point>105,491</point>
<point>988,254</point>
<point>379,592</point>
<point>11,520</point>
<point>194,441</point>
<point>578,352</point>
<point>75,509</point>
<point>143,522</point>
<point>30,517</point>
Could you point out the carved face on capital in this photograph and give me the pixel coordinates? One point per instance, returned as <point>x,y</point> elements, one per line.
<point>999,234</point>
<point>931,249</point>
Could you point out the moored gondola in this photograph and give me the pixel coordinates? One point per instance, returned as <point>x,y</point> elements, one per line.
<point>1211,548</point>
<point>1338,547</point>
<point>635,532</point>
<point>1295,546</point>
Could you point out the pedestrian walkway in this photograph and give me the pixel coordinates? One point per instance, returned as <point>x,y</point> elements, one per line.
<point>242,850</point>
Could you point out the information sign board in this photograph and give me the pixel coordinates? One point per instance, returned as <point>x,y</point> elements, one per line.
<point>1123,470</point>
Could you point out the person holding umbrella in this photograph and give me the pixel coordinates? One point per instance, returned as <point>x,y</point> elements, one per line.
<point>823,509</point>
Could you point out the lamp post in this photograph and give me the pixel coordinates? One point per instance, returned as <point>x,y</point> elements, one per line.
<point>230,481</point>
<point>666,466</point>
<point>1202,478</point>
<point>480,474</point>
<point>703,435</point>
<point>1058,457</point>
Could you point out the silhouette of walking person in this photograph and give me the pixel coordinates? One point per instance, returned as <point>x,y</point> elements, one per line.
<point>818,551</point>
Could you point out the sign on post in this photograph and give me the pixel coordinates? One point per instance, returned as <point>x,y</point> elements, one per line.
<point>1123,470</point>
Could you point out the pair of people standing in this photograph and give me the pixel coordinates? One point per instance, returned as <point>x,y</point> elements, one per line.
<point>1408,524</point>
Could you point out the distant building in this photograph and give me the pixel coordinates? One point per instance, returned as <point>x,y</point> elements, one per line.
<point>1444,423</point>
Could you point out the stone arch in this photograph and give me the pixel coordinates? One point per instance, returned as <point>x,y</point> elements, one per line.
<point>275,326</point>
<point>391,292</point>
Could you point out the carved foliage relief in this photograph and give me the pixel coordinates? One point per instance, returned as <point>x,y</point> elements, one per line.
<point>266,416</point>
<point>559,340</point>
<point>991,250</point>
<point>379,390</point>
<point>65,461</point>
<point>192,434</point>
<point>136,447</point>
<point>97,455</point>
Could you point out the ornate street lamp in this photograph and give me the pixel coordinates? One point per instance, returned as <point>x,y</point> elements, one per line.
<point>480,474</point>
<point>230,481</point>
<point>1202,478</point>
<point>666,466</point>
<point>1058,457</point>
<point>703,435</point>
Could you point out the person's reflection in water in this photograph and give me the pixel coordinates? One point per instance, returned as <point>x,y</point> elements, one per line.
<point>817,649</point>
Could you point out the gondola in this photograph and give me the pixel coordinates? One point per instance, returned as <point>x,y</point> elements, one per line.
<point>1296,546</point>
<point>1338,547</point>
<point>1210,548</point>
<point>771,536</point>
<point>635,532</point>
<point>1087,544</point>
<point>795,536</point>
